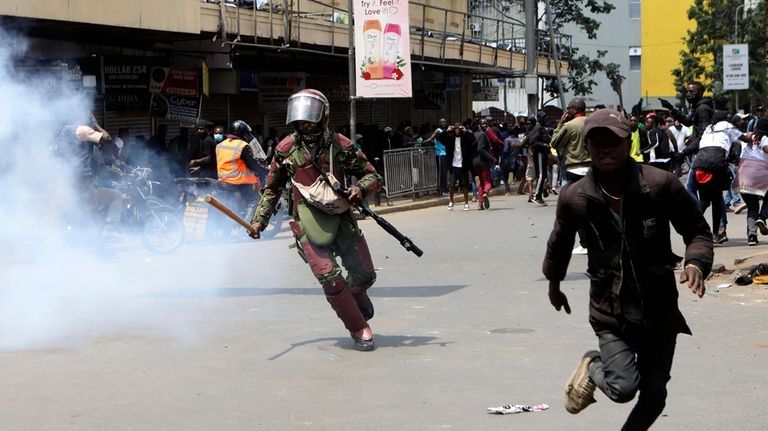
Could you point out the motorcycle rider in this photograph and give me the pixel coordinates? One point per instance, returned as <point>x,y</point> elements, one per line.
<point>236,165</point>
<point>311,159</point>
<point>78,144</point>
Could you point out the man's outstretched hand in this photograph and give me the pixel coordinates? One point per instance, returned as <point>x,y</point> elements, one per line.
<point>666,104</point>
<point>695,279</point>
<point>557,298</point>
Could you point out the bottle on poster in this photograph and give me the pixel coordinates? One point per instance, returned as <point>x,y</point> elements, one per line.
<point>373,36</point>
<point>391,45</point>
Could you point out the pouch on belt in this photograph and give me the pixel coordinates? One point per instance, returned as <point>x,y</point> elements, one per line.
<point>319,227</point>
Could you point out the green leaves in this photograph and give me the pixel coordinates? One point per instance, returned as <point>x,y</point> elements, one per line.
<point>701,60</point>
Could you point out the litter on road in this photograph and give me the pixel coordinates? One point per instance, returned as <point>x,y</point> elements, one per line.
<point>509,409</point>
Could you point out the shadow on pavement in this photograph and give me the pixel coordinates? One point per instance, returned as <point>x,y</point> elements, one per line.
<point>375,292</point>
<point>382,342</point>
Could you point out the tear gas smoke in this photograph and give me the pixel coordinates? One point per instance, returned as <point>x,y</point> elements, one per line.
<point>54,294</point>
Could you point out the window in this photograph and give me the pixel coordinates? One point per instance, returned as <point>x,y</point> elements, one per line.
<point>635,54</point>
<point>634,9</point>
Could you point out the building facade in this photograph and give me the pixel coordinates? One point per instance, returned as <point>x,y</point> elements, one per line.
<point>620,36</point>
<point>245,61</point>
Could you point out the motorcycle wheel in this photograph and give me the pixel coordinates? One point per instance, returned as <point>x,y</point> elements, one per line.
<point>163,231</point>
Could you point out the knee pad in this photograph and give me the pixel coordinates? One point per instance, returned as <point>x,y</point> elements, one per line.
<point>320,259</point>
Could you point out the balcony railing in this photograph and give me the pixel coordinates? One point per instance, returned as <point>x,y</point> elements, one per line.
<point>429,24</point>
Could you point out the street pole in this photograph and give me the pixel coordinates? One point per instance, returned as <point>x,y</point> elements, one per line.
<point>736,40</point>
<point>554,50</point>
<point>352,76</point>
<point>531,60</point>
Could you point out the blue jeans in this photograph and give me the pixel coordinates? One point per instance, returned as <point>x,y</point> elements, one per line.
<point>732,198</point>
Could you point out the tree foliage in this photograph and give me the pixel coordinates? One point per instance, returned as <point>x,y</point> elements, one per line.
<point>583,69</point>
<point>701,60</point>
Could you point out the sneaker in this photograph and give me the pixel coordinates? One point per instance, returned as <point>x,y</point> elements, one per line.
<point>466,207</point>
<point>579,251</point>
<point>752,240</point>
<point>530,198</point>
<point>720,237</point>
<point>740,209</point>
<point>540,202</point>
<point>580,389</point>
<point>486,201</point>
<point>450,205</point>
<point>762,226</point>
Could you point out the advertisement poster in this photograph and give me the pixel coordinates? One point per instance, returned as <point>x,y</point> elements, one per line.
<point>175,94</point>
<point>382,48</point>
<point>181,82</point>
<point>736,67</point>
<point>126,85</point>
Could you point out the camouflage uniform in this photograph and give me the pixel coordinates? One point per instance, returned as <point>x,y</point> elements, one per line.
<point>321,236</point>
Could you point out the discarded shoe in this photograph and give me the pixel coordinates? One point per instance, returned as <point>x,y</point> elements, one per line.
<point>580,389</point>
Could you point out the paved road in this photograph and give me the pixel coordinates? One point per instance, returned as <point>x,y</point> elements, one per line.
<point>239,337</point>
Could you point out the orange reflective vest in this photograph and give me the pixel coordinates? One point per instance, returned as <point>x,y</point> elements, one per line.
<point>230,167</point>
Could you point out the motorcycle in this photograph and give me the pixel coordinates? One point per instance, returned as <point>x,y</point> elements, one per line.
<point>146,216</point>
<point>202,223</point>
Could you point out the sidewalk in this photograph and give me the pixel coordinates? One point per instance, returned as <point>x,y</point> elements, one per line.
<point>406,203</point>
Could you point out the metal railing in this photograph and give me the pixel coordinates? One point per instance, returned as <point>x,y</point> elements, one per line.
<point>410,170</point>
<point>427,23</point>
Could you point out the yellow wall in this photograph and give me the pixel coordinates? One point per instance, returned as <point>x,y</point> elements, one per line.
<point>663,26</point>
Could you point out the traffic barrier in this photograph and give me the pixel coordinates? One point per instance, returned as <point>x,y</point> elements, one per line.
<point>409,171</point>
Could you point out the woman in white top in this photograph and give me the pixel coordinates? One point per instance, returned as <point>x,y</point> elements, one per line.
<point>753,180</point>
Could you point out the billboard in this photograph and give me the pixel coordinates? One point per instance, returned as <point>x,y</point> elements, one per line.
<point>382,49</point>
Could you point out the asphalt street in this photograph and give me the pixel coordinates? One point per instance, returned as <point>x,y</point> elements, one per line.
<point>239,337</point>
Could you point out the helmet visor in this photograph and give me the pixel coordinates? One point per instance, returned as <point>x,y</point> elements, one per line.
<point>305,107</point>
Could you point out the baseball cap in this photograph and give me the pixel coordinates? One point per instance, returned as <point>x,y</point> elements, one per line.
<point>760,108</point>
<point>609,119</point>
<point>87,134</point>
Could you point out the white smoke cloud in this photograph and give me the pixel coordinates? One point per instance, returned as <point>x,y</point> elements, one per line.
<point>54,293</point>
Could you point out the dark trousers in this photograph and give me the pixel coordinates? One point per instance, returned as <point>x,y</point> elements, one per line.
<point>714,197</point>
<point>442,174</point>
<point>633,360</point>
<point>755,211</point>
<point>540,164</point>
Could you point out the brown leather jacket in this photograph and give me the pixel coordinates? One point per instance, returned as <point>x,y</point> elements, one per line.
<point>653,199</point>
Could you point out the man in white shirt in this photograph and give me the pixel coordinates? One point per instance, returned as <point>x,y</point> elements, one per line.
<point>681,134</point>
<point>459,144</point>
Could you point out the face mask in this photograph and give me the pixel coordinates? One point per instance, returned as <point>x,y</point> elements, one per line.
<point>218,137</point>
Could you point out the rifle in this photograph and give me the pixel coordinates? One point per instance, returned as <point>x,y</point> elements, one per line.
<point>404,240</point>
<point>365,210</point>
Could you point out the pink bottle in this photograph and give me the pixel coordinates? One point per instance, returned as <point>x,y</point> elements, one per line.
<point>391,45</point>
